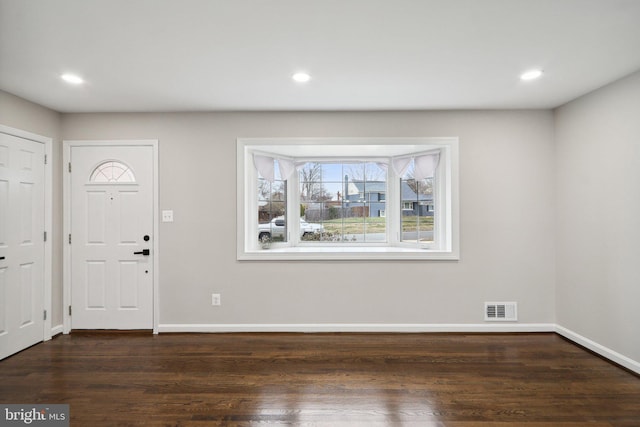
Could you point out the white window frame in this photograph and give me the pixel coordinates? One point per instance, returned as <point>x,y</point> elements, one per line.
<point>446,237</point>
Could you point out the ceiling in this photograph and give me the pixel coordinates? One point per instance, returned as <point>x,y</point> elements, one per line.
<point>239,55</point>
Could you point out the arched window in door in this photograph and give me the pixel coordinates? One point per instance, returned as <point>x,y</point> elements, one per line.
<point>112,171</point>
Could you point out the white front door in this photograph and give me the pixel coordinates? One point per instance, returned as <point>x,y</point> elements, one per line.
<point>111,237</point>
<point>21,243</point>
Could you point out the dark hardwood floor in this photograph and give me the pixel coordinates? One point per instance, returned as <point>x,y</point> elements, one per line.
<point>453,380</point>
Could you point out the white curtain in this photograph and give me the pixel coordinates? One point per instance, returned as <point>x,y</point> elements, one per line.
<point>400,165</point>
<point>425,166</point>
<point>264,165</point>
<point>287,167</point>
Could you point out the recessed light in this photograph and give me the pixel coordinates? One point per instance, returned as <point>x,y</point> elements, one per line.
<point>72,78</point>
<point>301,77</point>
<point>531,75</point>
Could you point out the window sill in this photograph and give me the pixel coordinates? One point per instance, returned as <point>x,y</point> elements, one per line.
<point>347,253</point>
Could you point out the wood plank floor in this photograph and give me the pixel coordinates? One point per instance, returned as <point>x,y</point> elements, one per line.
<point>453,380</point>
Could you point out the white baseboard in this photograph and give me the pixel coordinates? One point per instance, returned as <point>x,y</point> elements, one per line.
<point>603,351</point>
<point>58,329</point>
<point>358,327</point>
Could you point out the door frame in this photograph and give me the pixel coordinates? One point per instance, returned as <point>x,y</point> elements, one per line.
<point>66,269</point>
<point>48,220</point>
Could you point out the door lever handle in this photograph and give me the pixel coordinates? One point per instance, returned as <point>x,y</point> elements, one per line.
<point>1,258</point>
<point>144,252</point>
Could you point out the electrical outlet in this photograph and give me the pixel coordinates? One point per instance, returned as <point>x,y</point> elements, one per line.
<point>215,299</point>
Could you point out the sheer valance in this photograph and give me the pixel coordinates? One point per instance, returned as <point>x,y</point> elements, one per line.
<point>265,165</point>
<point>424,165</point>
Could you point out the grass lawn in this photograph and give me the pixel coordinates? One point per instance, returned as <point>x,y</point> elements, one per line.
<point>375,225</point>
<point>413,223</point>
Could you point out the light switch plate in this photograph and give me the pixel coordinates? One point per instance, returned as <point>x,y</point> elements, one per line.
<point>167,216</point>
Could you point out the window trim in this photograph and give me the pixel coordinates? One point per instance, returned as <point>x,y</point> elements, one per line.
<point>447,217</point>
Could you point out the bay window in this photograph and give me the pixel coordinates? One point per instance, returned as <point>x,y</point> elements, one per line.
<point>347,198</point>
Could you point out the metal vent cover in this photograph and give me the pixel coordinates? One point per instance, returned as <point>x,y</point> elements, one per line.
<point>500,311</point>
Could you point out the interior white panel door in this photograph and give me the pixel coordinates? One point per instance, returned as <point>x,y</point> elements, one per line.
<point>21,244</point>
<point>111,237</point>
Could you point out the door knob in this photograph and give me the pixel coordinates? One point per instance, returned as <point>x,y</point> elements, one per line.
<point>144,252</point>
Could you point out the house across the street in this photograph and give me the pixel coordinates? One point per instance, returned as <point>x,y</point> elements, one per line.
<point>371,196</point>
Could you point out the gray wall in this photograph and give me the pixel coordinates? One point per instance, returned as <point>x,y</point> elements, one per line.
<point>21,114</point>
<point>598,236</point>
<point>507,221</point>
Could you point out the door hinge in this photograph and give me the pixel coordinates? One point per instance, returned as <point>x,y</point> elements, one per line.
<point>45,236</point>
<point>69,166</point>
<point>45,159</point>
<point>69,310</point>
<point>69,238</point>
<point>45,315</point>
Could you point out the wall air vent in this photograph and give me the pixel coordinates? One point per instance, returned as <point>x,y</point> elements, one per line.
<point>500,311</point>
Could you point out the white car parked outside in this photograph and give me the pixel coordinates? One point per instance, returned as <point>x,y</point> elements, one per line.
<point>275,229</point>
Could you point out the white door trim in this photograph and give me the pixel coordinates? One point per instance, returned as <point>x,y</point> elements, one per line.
<point>48,217</point>
<point>66,270</point>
